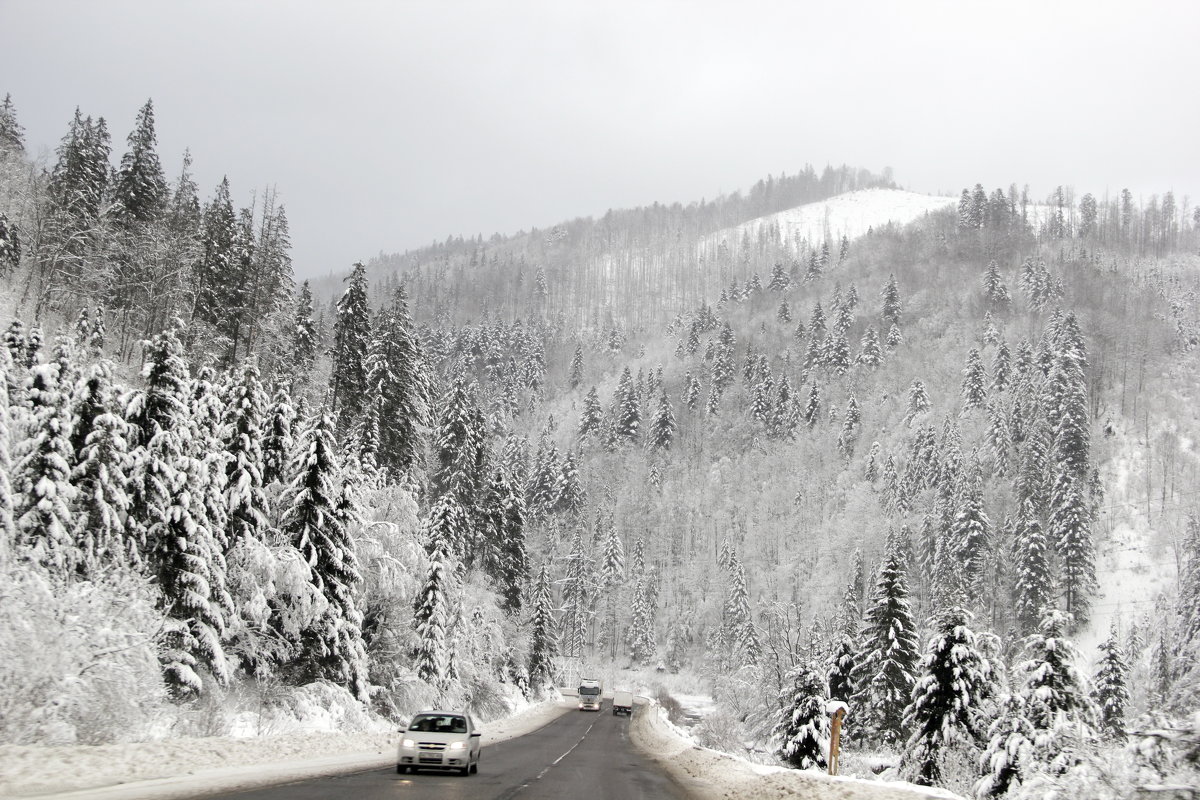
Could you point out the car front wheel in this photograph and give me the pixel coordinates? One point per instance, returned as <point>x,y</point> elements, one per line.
<point>401,769</point>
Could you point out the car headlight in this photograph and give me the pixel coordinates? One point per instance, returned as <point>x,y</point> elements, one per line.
<point>457,745</point>
<point>408,743</point>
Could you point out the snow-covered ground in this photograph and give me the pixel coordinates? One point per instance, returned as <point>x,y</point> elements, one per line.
<point>184,767</point>
<point>712,774</point>
<point>851,214</point>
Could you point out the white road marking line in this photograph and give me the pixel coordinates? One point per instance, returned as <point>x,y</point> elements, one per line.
<point>564,755</point>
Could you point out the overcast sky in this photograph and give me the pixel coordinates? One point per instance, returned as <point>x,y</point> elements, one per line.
<point>386,125</point>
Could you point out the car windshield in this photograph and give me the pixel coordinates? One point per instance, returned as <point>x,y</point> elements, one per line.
<point>438,723</point>
<point>589,690</point>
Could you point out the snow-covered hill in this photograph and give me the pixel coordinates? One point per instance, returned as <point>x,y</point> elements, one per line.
<point>851,214</point>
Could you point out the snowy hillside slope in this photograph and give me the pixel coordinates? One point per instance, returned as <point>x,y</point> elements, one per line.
<point>851,215</point>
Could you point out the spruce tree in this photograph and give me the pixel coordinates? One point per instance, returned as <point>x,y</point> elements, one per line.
<point>277,438</point>
<point>891,313</point>
<point>972,531</point>
<point>332,644</point>
<point>848,437</point>
<point>643,645</point>
<point>1033,590</point>
<point>241,435</point>
<point>1111,693</point>
<point>886,665</point>
<point>803,727</point>
<point>12,135</point>
<point>100,473</point>
<point>575,598</point>
<point>41,483</point>
<point>591,418</point>
<point>543,644</point>
<point>397,379</point>
<point>946,701</point>
<point>576,374</point>
<point>139,187</point>
<point>626,414</point>
<point>8,530</point>
<point>304,342</point>
<point>918,400</point>
<point>994,291</point>
<point>1009,756</point>
<point>974,385</point>
<point>662,426</point>
<point>351,346</point>
<point>432,610</point>
<point>1055,693</point>
<point>739,621</point>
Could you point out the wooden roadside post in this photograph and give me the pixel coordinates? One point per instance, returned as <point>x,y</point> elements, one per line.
<point>838,710</point>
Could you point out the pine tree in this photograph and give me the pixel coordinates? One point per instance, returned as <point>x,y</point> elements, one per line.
<point>591,419</point>
<point>612,570</point>
<point>332,644</point>
<point>870,353</point>
<point>1033,590</point>
<point>352,340</point>
<point>626,414</point>
<point>918,400</point>
<point>974,385</point>
<point>691,391</point>
<point>891,303</point>
<point>543,644</point>
<point>572,497</point>
<point>971,532</point>
<point>812,409</point>
<point>398,380</point>
<point>1055,693</point>
<point>576,376</point>
<point>277,439</point>
<point>241,435</point>
<point>885,667</point>
<point>43,492</point>
<point>12,135</point>
<point>139,187</point>
<point>894,337</point>
<point>432,611</point>
<point>803,726</point>
<point>1001,368</point>
<point>848,437</point>
<point>304,335</point>
<point>641,640</point>
<point>994,291</point>
<point>743,636</point>
<point>946,701</point>
<point>784,314</point>
<point>1111,694</point>
<point>662,427</point>
<point>1009,756</point>
<point>100,473</point>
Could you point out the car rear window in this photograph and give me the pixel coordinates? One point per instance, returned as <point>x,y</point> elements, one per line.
<point>438,723</point>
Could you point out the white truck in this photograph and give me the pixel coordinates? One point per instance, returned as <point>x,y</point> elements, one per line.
<point>622,703</point>
<point>589,694</point>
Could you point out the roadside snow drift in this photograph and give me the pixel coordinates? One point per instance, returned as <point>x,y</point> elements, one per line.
<point>709,774</point>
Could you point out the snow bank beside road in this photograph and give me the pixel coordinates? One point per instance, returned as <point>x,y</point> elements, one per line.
<point>709,774</point>
<point>179,768</point>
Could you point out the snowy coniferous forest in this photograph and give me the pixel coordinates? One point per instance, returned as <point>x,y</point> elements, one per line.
<point>940,471</point>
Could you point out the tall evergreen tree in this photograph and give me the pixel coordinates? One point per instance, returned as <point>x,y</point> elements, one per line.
<point>662,426</point>
<point>304,333</point>
<point>892,307</point>
<point>397,379</point>
<point>1111,694</point>
<point>946,700</point>
<point>242,437</point>
<point>1055,693</point>
<point>885,667</point>
<point>543,644</point>
<point>332,644</point>
<point>277,438</point>
<point>591,419</point>
<point>139,187</point>
<point>626,414</point>
<point>12,135</point>
<point>803,726</point>
<point>100,473</point>
<point>352,341</point>
<point>432,611</point>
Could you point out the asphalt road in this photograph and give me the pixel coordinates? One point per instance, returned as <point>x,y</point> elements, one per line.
<point>581,756</point>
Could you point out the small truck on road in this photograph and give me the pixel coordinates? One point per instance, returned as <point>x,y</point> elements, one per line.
<point>622,703</point>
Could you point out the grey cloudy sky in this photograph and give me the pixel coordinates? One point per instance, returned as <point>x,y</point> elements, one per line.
<point>386,125</point>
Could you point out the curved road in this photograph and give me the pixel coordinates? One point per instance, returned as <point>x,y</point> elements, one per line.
<point>580,755</point>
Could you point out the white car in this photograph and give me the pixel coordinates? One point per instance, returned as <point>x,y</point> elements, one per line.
<point>439,740</point>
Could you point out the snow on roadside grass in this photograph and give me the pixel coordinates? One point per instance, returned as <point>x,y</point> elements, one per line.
<point>711,774</point>
<point>189,767</point>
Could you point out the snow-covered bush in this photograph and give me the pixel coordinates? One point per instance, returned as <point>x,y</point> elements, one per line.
<point>77,658</point>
